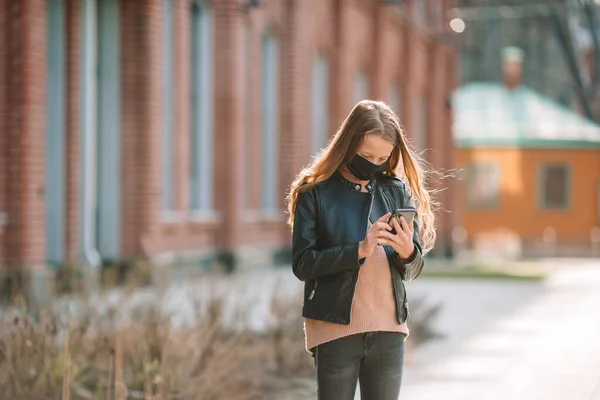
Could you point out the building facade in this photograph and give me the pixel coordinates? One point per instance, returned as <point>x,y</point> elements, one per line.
<point>171,129</point>
<point>531,167</point>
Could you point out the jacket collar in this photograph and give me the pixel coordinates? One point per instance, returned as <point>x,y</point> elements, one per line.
<point>353,185</point>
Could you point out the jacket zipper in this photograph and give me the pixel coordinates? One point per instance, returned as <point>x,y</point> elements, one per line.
<point>395,292</point>
<point>406,306</point>
<point>364,232</point>
<point>312,294</point>
<point>406,303</point>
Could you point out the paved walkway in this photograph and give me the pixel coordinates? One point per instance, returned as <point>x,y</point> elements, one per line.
<point>503,339</point>
<point>522,341</point>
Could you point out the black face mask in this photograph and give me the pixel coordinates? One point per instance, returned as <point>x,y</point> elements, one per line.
<point>363,169</point>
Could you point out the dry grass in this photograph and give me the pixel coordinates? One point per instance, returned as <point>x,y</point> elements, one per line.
<point>93,354</point>
<point>135,350</point>
<point>286,333</point>
<point>148,359</point>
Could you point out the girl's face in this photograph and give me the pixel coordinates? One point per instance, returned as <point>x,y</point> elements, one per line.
<point>375,149</point>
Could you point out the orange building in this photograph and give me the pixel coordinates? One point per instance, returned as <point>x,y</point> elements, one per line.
<point>531,173</point>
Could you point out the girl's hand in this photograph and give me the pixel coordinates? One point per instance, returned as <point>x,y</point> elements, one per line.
<point>402,241</point>
<point>367,246</point>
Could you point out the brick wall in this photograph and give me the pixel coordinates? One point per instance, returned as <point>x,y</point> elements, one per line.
<point>227,118</point>
<point>141,25</point>
<point>25,55</point>
<point>353,34</point>
<point>3,114</point>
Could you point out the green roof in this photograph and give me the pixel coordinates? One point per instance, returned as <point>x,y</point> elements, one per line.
<point>489,114</point>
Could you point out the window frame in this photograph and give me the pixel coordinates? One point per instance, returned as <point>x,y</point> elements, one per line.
<point>271,122</point>
<point>320,101</point>
<point>361,86</point>
<point>421,118</point>
<point>168,195</point>
<point>395,97</point>
<point>541,192</point>
<point>472,169</point>
<point>202,183</point>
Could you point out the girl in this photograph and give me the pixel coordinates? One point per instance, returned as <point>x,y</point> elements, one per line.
<point>353,264</point>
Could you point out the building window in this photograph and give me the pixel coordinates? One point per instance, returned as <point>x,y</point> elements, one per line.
<point>270,122</point>
<point>168,175</point>
<point>555,186</point>
<point>395,99</point>
<point>361,87</point>
<point>421,123</point>
<point>202,176</point>
<point>320,102</point>
<point>419,11</point>
<point>437,11</point>
<point>483,186</point>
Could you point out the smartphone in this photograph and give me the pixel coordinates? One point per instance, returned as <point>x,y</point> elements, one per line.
<point>407,213</point>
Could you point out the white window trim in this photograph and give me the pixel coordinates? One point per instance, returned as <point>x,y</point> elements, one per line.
<point>320,102</point>
<point>421,123</point>
<point>202,187</point>
<point>395,98</point>
<point>270,117</point>
<point>168,175</point>
<point>361,86</point>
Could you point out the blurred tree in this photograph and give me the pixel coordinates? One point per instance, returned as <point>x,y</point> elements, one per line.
<point>556,36</point>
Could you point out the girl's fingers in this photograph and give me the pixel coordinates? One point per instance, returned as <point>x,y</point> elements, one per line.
<point>383,225</point>
<point>406,231</point>
<point>384,218</point>
<point>411,226</point>
<point>404,224</point>
<point>396,225</point>
<point>390,237</point>
<point>384,234</point>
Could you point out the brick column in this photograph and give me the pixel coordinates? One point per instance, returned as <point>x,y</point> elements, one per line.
<point>25,124</point>
<point>410,77</point>
<point>436,137</point>
<point>3,133</point>
<point>296,96</point>
<point>141,25</point>
<point>342,70</point>
<point>229,76</point>
<point>379,76</point>
<point>73,134</point>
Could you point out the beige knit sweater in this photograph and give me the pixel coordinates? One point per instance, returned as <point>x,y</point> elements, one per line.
<point>373,309</point>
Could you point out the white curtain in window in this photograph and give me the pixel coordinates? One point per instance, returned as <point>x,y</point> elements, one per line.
<point>270,122</point>
<point>202,185</point>
<point>320,103</point>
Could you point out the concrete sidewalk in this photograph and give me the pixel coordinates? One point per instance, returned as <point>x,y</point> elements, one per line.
<point>545,345</point>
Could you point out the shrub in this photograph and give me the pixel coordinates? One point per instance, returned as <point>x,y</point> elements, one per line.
<point>193,341</point>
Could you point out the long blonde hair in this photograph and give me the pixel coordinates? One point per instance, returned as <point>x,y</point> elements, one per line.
<point>371,117</point>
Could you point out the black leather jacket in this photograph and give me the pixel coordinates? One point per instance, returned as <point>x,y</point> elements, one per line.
<point>329,222</point>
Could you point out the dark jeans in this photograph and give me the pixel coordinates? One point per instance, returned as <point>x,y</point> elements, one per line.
<point>375,359</point>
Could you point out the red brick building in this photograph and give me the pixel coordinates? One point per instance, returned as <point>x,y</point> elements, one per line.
<point>173,127</point>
